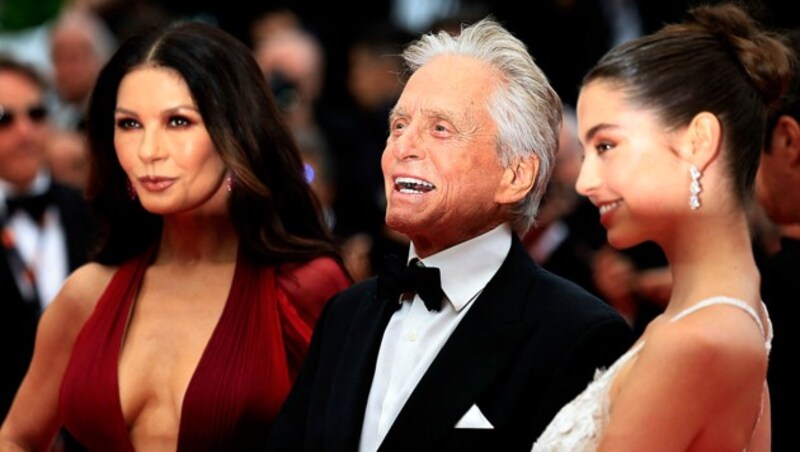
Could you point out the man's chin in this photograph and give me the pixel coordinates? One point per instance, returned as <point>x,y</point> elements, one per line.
<point>405,223</point>
<point>20,176</point>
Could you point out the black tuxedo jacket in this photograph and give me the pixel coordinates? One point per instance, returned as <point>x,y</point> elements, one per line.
<point>18,319</point>
<point>530,344</point>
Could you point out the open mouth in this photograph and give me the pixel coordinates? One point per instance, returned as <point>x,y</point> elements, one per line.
<point>413,185</point>
<point>605,208</point>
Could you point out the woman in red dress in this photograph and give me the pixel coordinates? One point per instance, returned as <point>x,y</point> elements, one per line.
<point>188,328</point>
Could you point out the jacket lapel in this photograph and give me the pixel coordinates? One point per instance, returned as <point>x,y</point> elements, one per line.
<point>477,350</point>
<point>353,378</point>
<point>75,219</point>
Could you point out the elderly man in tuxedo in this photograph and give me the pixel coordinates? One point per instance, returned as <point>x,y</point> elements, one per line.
<point>471,346</point>
<point>44,224</point>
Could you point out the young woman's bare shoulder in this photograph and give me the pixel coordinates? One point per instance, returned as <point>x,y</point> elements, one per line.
<point>718,341</point>
<point>714,329</point>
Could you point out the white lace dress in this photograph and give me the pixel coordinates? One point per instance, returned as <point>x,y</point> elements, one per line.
<point>579,425</point>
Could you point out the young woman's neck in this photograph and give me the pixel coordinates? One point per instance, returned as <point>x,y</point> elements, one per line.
<point>710,259</point>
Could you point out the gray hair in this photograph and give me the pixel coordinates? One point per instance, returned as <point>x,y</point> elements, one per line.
<point>525,107</point>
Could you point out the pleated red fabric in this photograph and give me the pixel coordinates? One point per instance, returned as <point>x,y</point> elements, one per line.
<point>243,376</point>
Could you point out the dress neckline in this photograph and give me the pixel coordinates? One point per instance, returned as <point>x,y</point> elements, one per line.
<point>766,333</point>
<point>142,264</point>
<point>711,301</point>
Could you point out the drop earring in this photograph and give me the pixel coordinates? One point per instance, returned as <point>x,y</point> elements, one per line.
<point>695,188</point>
<point>230,182</point>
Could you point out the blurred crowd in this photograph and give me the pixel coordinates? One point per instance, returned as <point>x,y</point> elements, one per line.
<point>335,74</point>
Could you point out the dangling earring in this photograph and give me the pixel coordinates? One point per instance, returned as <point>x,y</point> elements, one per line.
<point>695,188</point>
<point>230,182</point>
<point>131,191</point>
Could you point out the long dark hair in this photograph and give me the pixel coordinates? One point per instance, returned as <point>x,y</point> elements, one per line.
<point>719,60</point>
<point>272,207</point>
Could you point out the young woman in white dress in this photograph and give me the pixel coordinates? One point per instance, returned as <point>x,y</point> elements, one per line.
<point>672,125</point>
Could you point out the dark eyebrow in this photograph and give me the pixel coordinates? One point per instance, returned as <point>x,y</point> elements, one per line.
<point>594,130</point>
<point>123,111</point>
<point>169,111</point>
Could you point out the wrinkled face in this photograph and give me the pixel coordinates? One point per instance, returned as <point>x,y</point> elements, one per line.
<point>629,170</point>
<point>23,129</point>
<point>164,147</point>
<point>440,166</point>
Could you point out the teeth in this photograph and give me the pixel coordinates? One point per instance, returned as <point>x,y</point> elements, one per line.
<point>413,185</point>
<point>609,207</point>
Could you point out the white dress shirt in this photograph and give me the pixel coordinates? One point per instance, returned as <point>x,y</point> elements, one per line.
<point>43,248</point>
<point>414,335</point>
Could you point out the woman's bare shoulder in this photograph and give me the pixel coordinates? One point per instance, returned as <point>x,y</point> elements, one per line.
<point>715,329</point>
<point>720,341</point>
<point>82,289</point>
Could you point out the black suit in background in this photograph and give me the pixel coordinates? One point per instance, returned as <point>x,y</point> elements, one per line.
<point>530,344</point>
<point>780,286</point>
<point>18,319</point>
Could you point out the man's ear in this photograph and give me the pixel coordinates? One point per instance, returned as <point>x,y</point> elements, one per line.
<point>786,141</point>
<point>517,179</point>
<point>702,140</point>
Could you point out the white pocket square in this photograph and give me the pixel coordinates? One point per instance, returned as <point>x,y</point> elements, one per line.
<point>473,418</point>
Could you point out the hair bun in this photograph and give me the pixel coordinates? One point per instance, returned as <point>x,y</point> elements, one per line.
<point>763,56</point>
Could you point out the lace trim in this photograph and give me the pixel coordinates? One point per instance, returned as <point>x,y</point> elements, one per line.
<point>580,424</point>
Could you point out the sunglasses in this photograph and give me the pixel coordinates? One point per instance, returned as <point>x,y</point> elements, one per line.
<point>37,114</point>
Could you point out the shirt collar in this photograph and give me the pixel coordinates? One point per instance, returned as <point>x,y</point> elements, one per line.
<point>466,268</point>
<point>39,185</point>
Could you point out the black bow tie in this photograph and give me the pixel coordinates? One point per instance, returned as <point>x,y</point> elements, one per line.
<point>395,279</point>
<point>34,205</point>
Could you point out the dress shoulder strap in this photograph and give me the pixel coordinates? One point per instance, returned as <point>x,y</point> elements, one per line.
<point>766,333</point>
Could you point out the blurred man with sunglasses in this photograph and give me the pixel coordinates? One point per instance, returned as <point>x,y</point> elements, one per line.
<point>44,225</point>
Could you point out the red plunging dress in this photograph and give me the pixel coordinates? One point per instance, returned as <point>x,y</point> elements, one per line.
<point>243,375</point>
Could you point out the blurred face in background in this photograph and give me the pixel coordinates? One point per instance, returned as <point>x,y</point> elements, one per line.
<point>779,173</point>
<point>67,158</point>
<point>23,128</point>
<point>76,63</point>
<point>561,197</point>
<point>373,80</point>
<point>292,61</point>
